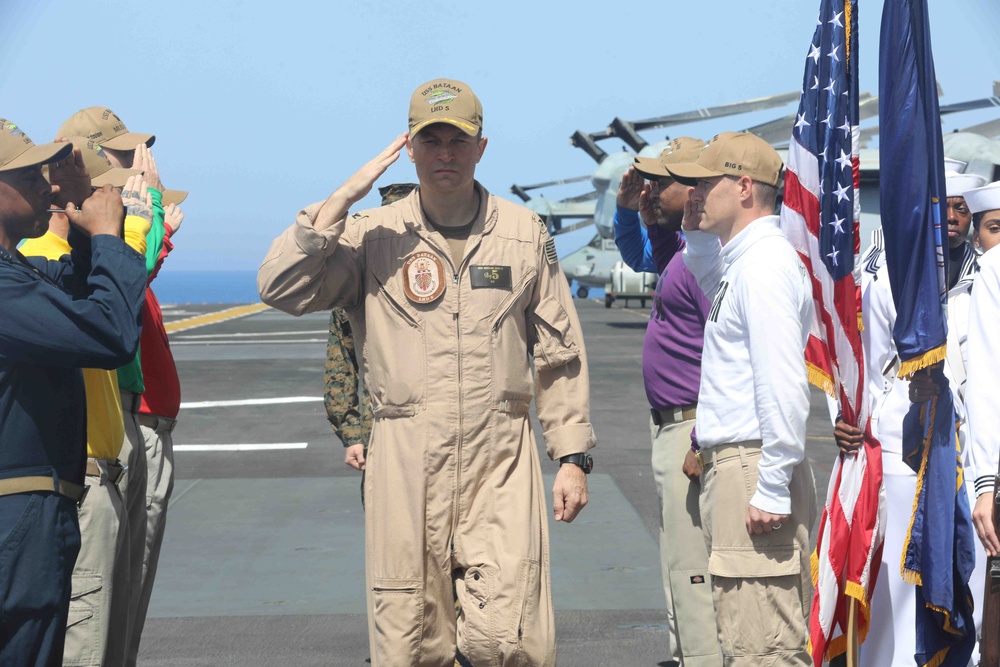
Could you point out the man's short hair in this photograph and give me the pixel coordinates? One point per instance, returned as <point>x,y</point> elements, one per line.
<point>765,194</point>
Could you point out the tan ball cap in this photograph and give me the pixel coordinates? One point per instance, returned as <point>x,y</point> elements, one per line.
<point>105,127</point>
<point>173,197</point>
<point>99,167</point>
<point>986,198</point>
<point>445,101</point>
<point>732,154</point>
<point>17,151</point>
<point>681,149</point>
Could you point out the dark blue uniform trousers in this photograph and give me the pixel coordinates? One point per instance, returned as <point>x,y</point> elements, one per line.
<point>39,542</point>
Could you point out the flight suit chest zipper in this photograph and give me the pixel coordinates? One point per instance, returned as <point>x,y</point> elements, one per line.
<point>458,358</point>
<point>511,300</point>
<point>458,449</point>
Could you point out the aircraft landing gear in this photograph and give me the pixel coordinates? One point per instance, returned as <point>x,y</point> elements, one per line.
<point>582,292</point>
<point>608,300</point>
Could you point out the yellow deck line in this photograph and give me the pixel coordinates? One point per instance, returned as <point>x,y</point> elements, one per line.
<point>214,318</point>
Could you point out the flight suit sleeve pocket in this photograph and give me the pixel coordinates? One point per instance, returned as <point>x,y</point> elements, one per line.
<point>556,343</point>
<point>398,618</point>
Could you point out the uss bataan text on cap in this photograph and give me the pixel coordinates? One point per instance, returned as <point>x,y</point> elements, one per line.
<point>445,101</point>
<point>681,149</point>
<point>105,127</point>
<point>18,151</point>
<point>732,154</point>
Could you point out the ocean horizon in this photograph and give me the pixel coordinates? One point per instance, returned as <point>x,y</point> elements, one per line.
<point>195,287</point>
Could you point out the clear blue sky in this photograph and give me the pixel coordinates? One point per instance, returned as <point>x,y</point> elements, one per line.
<point>262,107</point>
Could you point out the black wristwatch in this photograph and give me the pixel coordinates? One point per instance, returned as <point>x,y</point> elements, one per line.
<point>585,462</point>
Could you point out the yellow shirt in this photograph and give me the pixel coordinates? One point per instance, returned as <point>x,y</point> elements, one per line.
<point>105,425</point>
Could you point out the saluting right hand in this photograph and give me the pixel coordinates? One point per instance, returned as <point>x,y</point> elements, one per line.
<point>692,217</point>
<point>630,189</point>
<point>137,199</point>
<point>357,186</point>
<point>102,213</point>
<point>360,184</point>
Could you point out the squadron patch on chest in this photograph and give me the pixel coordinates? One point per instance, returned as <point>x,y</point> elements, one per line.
<point>494,276</point>
<point>423,277</point>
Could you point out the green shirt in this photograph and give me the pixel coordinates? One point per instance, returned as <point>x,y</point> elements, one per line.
<point>130,375</point>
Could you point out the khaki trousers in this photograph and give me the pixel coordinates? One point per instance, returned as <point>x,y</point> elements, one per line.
<point>101,516</point>
<point>683,558</point>
<point>128,568</point>
<point>762,583</point>
<point>157,433</point>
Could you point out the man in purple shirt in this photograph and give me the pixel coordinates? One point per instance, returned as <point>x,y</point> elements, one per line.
<point>671,367</point>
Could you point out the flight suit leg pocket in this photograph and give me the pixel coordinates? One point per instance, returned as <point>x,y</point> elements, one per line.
<point>84,646</point>
<point>523,630</point>
<point>477,639</point>
<point>398,613</point>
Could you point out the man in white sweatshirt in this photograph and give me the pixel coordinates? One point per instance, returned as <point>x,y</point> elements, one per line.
<point>758,498</point>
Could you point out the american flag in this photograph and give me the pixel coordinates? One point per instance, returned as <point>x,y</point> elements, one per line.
<point>820,217</point>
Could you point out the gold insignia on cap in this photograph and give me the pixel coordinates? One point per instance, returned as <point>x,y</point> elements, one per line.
<point>423,277</point>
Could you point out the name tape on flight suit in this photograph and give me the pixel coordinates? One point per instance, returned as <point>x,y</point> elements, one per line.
<point>423,279</point>
<point>490,276</point>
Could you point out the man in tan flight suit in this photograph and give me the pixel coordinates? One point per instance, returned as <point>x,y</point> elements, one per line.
<point>451,290</point>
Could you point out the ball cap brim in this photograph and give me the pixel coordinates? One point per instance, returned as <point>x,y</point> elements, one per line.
<point>732,154</point>
<point>680,150</point>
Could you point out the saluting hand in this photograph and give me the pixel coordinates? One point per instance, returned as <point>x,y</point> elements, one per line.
<point>357,186</point>
<point>173,216</point>
<point>137,199</point>
<point>630,189</point>
<point>70,178</point>
<point>692,217</point>
<point>144,162</point>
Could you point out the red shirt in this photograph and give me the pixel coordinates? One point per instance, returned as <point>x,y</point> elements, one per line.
<point>163,388</point>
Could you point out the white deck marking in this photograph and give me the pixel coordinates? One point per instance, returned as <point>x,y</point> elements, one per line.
<point>252,334</point>
<point>251,401</point>
<point>241,448</point>
<point>247,342</point>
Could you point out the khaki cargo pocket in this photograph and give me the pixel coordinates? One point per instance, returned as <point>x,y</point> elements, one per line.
<point>556,343</point>
<point>760,617</point>
<point>84,646</point>
<point>398,617</point>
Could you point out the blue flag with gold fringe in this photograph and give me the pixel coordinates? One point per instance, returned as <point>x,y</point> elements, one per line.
<point>937,555</point>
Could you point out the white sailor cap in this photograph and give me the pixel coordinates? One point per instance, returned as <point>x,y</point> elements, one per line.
<point>957,184</point>
<point>955,165</point>
<point>986,198</point>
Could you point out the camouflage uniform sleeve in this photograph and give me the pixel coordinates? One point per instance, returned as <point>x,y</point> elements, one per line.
<point>348,412</point>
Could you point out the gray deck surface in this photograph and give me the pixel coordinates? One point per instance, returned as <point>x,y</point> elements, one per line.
<point>263,558</point>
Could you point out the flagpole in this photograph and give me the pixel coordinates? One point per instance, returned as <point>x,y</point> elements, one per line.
<point>852,632</point>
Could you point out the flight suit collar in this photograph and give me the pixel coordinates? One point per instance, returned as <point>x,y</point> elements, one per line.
<point>415,220</point>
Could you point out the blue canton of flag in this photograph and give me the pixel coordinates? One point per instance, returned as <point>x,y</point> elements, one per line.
<point>824,127</point>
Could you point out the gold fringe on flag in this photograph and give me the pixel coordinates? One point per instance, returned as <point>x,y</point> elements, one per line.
<point>929,358</point>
